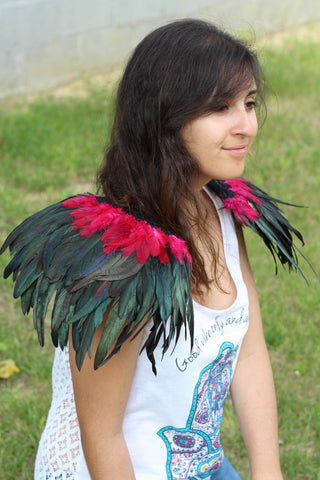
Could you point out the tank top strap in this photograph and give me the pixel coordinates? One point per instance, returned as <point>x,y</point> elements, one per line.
<point>229,236</point>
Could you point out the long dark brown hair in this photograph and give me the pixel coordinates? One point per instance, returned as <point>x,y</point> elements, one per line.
<point>176,73</point>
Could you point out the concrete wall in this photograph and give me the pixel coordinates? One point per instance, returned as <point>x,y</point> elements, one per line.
<point>44,43</point>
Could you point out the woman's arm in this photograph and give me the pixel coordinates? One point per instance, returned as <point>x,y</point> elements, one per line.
<point>101,398</point>
<point>252,389</point>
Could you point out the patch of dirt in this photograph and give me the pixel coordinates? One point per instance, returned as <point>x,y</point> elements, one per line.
<point>304,33</point>
<point>81,87</point>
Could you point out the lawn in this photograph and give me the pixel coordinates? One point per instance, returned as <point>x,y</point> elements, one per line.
<point>50,148</point>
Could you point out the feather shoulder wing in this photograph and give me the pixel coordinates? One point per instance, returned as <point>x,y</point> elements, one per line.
<point>254,208</point>
<point>93,255</point>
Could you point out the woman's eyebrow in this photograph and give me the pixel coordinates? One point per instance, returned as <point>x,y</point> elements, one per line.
<point>252,92</point>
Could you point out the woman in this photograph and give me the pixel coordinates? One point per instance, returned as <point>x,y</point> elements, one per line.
<point>121,265</point>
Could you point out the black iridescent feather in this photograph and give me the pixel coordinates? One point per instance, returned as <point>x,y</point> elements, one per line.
<point>254,208</point>
<point>50,256</point>
<point>93,256</point>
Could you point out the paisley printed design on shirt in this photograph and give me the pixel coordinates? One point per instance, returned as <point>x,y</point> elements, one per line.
<point>195,452</point>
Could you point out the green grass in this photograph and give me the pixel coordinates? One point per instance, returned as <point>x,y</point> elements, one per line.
<point>51,148</point>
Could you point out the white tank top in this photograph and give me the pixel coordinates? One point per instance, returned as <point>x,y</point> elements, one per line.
<point>172,420</point>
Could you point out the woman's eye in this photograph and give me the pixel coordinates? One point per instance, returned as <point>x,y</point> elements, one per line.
<point>251,105</point>
<point>220,108</point>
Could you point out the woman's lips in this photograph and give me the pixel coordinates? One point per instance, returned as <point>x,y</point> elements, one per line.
<point>237,149</point>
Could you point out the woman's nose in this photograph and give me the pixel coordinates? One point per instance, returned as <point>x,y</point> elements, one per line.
<point>245,123</point>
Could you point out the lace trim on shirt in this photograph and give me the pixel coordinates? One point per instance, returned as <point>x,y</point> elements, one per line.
<point>60,449</point>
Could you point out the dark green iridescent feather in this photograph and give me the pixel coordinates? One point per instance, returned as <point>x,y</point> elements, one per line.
<point>50,259</point>
<point>53,258</point>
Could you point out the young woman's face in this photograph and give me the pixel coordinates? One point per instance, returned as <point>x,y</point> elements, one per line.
<point>220,140</point>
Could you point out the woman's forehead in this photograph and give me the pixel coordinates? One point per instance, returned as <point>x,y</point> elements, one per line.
<point>233,92</point>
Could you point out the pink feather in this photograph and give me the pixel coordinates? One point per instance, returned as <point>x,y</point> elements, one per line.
<point>122,231</point>
<point>242,202</point>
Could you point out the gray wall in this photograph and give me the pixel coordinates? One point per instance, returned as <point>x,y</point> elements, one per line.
<point>44,43</point>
